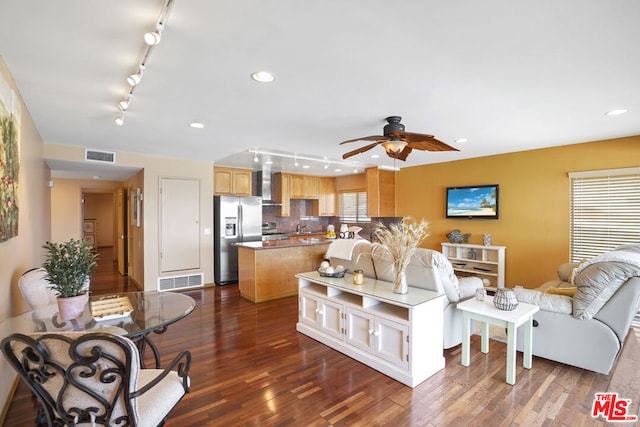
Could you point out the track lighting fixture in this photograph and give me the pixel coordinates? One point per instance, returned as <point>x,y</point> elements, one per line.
<point>134,79</point>
<point>305,162</point>
<point>151,39</point>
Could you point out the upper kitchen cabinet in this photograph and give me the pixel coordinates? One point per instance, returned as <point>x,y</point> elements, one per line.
<point>327,200</point>
<point>305,187</point>
<point>282,194</point>
<point>235,181</point>
<point>381,192</point>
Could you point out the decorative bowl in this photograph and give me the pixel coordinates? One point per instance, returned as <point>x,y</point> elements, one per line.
<point>505,299</point>
<point>337,274</point>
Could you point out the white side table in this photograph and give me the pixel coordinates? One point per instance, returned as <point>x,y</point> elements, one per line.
<point>486,312</point>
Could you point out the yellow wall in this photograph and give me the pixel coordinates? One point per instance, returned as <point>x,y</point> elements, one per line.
<point>145,247</point>
<point>101,207</point>
<point>534,200</point>
<point>23,251</point>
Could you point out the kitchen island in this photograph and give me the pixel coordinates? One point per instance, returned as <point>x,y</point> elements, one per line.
<point>266,270</point>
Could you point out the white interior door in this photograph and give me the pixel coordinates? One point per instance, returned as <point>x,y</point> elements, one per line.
<point>179,224</point>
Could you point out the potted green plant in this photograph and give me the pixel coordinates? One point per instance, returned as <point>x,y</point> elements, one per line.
<point>69,266</point>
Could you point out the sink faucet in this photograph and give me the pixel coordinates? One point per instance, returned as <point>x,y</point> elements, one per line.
<point>300,227</point>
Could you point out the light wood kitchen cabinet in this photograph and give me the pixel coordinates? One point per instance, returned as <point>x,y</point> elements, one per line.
<point>327,198</point>
<point>297,188</point>
<point>305,187</point>
<point>282,194</point>
<point>233,181</point>
<point>311,187</point>
<point>381,192</point>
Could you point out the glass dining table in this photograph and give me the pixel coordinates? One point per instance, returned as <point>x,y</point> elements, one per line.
<point>147,312</point>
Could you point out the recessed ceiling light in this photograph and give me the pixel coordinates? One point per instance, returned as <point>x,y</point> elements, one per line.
<point>461,140</point>
<point>268,162</point>
<point>305,166</point>
<point>263,76</point>
<point>337,170</point>
<point>616,112</point>
<point>375,156</point>
<point>196,125</point>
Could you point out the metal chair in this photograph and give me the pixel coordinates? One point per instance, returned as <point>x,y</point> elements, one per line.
<point>96,378</point>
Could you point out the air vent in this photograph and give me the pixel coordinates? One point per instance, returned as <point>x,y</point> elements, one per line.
<point>180,282</point>
<point>99,156</point>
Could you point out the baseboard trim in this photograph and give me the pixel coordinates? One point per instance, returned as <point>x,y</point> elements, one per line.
<point>7,403</point>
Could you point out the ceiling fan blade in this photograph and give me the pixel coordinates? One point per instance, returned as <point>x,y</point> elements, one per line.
<point>360,150</point>
<point>367,138</point>
<point>401,155</point>
<point>424,142</point>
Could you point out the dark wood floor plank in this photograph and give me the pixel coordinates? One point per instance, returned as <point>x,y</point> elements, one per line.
<point>251,368</point>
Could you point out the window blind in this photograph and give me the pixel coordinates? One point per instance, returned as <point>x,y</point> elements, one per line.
<point>605,211</point>
<point>352,207</point>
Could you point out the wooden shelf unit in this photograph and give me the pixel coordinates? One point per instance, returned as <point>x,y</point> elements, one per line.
<point>488,263</point>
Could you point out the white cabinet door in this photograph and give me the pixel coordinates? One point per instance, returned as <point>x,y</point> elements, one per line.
<point>308,309</point>
<point>323,314</point>
<point>391,342</point>
<point>383,338</point>
<point>360,328</point>
<point>330,318</point>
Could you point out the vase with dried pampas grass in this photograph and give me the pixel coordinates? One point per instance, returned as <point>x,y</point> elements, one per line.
<point>401,240</point>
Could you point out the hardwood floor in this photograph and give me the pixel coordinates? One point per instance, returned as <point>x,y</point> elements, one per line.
<point>251,368</point>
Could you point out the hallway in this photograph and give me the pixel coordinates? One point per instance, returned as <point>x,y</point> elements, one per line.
<point>106,279</point>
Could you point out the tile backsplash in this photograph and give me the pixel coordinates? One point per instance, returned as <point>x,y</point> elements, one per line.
<point>300,214</point>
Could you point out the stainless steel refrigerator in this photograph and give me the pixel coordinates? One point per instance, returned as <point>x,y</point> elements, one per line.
<point>236,219</point>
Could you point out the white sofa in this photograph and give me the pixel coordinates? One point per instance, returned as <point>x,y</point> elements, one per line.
<point>428,270</point>
<point>587,330</point>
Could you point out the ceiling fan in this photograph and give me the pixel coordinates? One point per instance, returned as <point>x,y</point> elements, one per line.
<point>398,143</point>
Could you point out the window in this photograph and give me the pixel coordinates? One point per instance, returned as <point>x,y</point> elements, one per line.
<point>352,207</point>
<point>605,207</point>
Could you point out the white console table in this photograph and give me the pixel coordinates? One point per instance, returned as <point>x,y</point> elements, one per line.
<point>398,335</point>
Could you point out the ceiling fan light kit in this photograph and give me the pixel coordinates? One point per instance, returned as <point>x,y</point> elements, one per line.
<point>398,143</point>
<point>394,146</point>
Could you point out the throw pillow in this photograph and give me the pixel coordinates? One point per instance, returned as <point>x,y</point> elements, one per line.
<point>577,268</point>
<point>565,271</point>
<point>569,292</point>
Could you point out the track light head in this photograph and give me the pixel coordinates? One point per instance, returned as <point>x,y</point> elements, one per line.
<point>152,38</point>
<point>120,120</point>
<point>134,79</point>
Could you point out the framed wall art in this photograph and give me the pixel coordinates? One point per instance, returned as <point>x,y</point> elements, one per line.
<point>9,160</point>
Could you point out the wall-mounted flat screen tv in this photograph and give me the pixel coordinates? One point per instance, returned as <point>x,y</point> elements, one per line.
<point>477,201</point>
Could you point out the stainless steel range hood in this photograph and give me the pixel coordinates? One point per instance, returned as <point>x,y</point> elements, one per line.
<point>263,185</point>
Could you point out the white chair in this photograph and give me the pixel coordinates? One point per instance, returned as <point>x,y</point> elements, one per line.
<point>35,288</point>
<point>96,379</point>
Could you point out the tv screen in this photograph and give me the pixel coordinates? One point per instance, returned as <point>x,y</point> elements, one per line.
<point>477,201</point>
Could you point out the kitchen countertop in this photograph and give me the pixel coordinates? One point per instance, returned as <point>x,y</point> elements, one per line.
<point>273,244</point>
